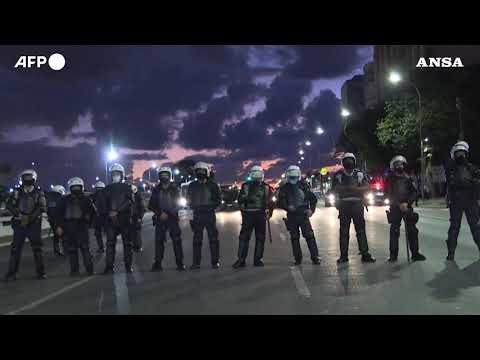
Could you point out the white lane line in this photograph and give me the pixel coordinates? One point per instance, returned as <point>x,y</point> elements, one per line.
<point>51,296</point>
<point>300,282</point>
<point>121,293</point>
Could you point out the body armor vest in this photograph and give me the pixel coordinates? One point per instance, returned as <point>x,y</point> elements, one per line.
<point>201,195</point>
<point>400,188</point>
<point>462,177</point>
<point>117,197</point>
<point>349,180</point>
<point>73,208</point>
<point>27,202</point>
<point>166,201</point>
<point>256,196</point>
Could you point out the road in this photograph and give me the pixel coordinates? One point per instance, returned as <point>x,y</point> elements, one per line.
<point>431,287</point>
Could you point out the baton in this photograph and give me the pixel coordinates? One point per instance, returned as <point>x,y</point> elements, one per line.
<point>406,237</point>
<point>269,229</point>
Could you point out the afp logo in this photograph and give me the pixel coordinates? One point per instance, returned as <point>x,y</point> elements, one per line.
<point>439,62</point>
<point>55,61</point>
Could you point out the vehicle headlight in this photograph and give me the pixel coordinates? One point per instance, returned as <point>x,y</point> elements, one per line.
<point>370,196</point>
<point>182,201</point>
<point>274,199</point>
<point>331,198</point>
<point>387,202</point>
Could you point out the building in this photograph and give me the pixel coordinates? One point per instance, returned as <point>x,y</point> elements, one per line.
<point>353,94</point>
<point>404,58</point>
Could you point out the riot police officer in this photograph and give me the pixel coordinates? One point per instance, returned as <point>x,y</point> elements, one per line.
<point>118,201</point>
<point>53,199</point>
<point>463,180</point>
<point>203,197</point>
<point>138,211</point>
<point>401,191</point>
<point>300,204</point>
<point>255,202</point>
<point>350,185</point>
<point>99,220</point>
<point>26,205</point>
<point>75,213</point>
<point>164,202</point>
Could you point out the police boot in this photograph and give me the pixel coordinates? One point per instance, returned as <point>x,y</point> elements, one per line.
<point>418,257</point>
<point>38,257</point>
<point>240,263</point>
<point>74,266</point>
<point>157,266</point>
<point>129,268</point>
<point>342,259</point>
<point>258,263</point>
<point>367,258</point>
<point>392,258</point>
<point>197,256</point>
<point>181,267</point>
<point>87,261</point>
<point>451,253</point>
<point>10,276</point>
<point>215,254</point>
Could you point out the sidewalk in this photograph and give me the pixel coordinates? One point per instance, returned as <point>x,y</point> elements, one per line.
<point>437,203</point>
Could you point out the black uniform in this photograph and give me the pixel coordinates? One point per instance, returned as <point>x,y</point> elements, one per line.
<point>401,189</point>
<point>165,199</point>
<point>53,199</point>
<point>296,200</point>
<point>463,193</point>
<point>254,199</point>
<point>29,206</point>
<point>138,211</point>
<point>119,198</point>
<point>204,198</point>
<point>350,205</point>
<point>75,214</point>
<point>99,220</point>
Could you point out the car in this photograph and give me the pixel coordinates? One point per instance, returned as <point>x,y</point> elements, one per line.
<point>376,195</point>
<point>229,195</point>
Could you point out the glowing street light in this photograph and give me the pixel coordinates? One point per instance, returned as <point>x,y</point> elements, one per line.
<point>301,152</point>
<point>345,113</point>
<point>112,155</point>
<point>154,166</point>
<point>308,143</point>
<point>394,77</point>
<point>426,139</point>
<point>302,158</point>
<point>176,171</point>
<point>97,178</point>
<point>320,131</point>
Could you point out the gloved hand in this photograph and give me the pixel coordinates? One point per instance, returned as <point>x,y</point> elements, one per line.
<point>164,216</point>
<point>24,220</point>
<point>59,231</point>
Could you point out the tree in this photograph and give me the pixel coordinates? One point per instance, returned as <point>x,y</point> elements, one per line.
<point>398,129</point>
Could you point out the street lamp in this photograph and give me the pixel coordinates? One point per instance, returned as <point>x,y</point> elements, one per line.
<point>111,156</point>
<point>345,113</point>
<point>396,78</point>
<point>320,131</point>
<point>308,143</point>
<point>301,152</point>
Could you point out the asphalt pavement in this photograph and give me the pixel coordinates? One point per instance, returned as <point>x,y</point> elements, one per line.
<point>430,287</point>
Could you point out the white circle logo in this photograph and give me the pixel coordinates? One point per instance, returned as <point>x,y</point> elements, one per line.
<point>56,62</point>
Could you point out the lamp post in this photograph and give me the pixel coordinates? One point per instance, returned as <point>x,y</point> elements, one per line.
<point>111,155</point>
<point>396,78</point>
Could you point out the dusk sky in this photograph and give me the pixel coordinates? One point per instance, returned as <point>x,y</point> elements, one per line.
<point>231,106</point>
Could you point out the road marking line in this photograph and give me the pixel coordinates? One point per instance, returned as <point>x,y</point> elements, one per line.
<point>121,293</point>
<point>300,282</point>
<point>51,296</point>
